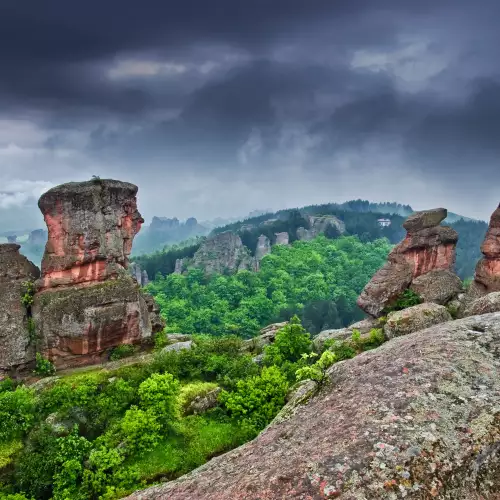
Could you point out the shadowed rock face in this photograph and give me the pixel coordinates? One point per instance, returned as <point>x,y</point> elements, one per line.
<point>87,302</point>
<point>91,227</point>
<point>424,250</point>
<point>416,418</point>
<point>488,269</point>
<point>15,350</point>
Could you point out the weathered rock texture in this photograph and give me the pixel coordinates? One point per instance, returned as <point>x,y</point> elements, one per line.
<point>363,327</point>
<point>487,304</point>
<point>87,302</point>
<point>140,275</point>
<point>438,286</point>
<point>263,247</point>
<point>91,227</point>
<point>320,224</point>
<point>282,238</point>
<point>417,418</point>
<point>487,277</point>
<point>15,346</point>
<point>223,253</point>
<point>425,249</point>
<point>414,319</point>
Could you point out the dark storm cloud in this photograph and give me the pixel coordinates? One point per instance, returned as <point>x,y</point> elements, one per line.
<point>252,93</point>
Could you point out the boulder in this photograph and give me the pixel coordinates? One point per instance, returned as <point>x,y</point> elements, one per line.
<point>178,346</point>
<point>266,336</point>
<point>364,327</point>
<point>201,404</point>
<point>416,418</point>
<point>425,219</point>
<point>414,319</point>
<point>488,304</point>
<point>439,286</point>
<point>173,338</point>
<point>387,285</point>
<point>16,343</point>
<point>488,268</point>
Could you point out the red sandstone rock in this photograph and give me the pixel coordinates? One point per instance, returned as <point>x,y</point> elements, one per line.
<point>424,250</point>
<point>488,268</point>
<point>91,227</point>
<point>87,302</point>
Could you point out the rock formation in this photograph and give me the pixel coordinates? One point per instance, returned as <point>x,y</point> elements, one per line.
<point>416,418</point>
<point>164,224</point>
<point>222,253</point>
<point>12,238</point>
<point>263,247</point>
<point>427,248</point>
<point>38,237</point>
<point>179,266</point>
<point>320,224</point>
<point>87,302</point>
<point>140,275</point>
<point>282,238</point>
<point>16,346</point>
<point>487,277</point>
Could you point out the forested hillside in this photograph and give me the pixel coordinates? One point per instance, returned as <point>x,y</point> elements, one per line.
<point>319,280</point>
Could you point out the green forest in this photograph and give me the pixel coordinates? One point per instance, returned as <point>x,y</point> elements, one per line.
<point>318,280</point>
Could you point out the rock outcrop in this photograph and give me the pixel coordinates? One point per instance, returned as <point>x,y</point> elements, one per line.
<point>38,237</point>
<point>282,238</point>
<point>91,227</point>
<point>364,327</point>
<point>179,266</point>
<point>438,286</point>
<point>415,418</point>
<point>487,277</point>
<point>140,275</point>
<point>320,224</point>
<point>87,302</point>
<point>415,318</point>
<point>12,238</point>
<point>263,247</point>
<point>427,248</point>
<point>484,305</point>
<point>223,253</point>
<point>16,346</point>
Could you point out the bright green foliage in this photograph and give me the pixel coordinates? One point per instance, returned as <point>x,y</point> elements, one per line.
<point>15,496</point>
<point>140,429</point>
<point>159,395</point>
<point>257,400</point>
<point>318,280</point>
<point>43,366</point>
<point>317,371</point>
<point>408,298</point>
<point>122,351</point>
<point>291,342</point>
<point>27,293</point>
<point>17,412</point>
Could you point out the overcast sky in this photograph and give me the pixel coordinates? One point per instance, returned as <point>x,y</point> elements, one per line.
<point>218,108</point>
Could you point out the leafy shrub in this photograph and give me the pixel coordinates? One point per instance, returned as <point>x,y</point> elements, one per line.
<point>122,351</point>
<point>7,384</point>
<point>159,394</point>
<point>43,366</point>
<point>317,371</point>
<point>17,412</point>
<point>27,293</point>
<point>140,430</point>
<point>374,339</point>
<point>257,400</point>
<point>407,299</point>
<point>290,343</point>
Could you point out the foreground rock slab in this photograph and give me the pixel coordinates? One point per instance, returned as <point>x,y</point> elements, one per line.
<point>417,418</point>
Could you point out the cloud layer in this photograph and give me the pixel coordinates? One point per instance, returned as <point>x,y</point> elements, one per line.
<point>220,109</point>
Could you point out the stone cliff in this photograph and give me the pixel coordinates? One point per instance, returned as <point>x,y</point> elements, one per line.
<point>416,418</point>
<point>320,224</point>
<point>16,344</point>
<point>423,261</point>
<point>87,302</point>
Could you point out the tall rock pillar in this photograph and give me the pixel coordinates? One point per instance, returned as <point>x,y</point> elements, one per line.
<point>87,301</point>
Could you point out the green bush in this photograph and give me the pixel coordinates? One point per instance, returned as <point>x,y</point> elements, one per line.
<point>290,343</point>
<point>257,400</point>
<point>122,351</point>
<point>317,371</point>
<point>193,390</point>
<point>159,394</point>
<point>43,366</point>
<point>407,299</point>
<point>140,430</point>
<point>17,412</point>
